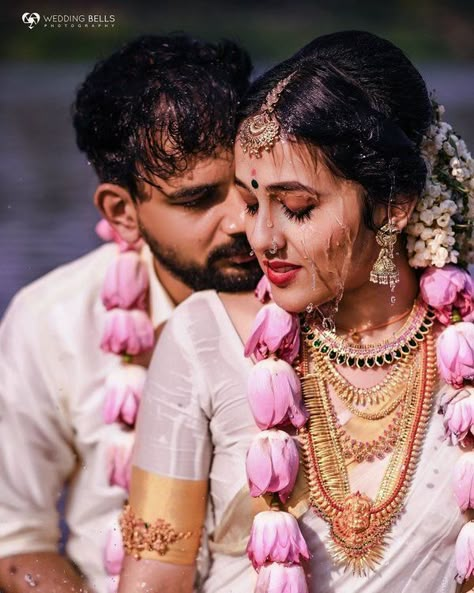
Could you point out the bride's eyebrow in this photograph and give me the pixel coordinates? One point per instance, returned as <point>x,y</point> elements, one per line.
<point>289,186</point>
<point>280,187</point>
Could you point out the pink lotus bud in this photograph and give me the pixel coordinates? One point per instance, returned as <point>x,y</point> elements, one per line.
<point>276,537</point>
<point>447,288</point>
<point>113,551</point>
<point>127,332</point>
<point>274,332</point>
<point>455,348</point>
<point>281,578</point>
<point>126,283</point>
<point>113,583</point>
<point>459,416</point>
<point>105,230</point>
<point>274,393</point>
<point>272,464</point>
<point>119,460</point>
<point>463,479</point>
<point>263,292</point>
<point>464,553</point>
<point>107,233</point>
<point>123,391</point>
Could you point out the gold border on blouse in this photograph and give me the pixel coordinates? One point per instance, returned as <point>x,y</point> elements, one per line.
<point>182,503</point>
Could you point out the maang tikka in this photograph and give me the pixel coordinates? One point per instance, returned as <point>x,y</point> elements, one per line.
<point>385,270</point>
<point>261,132</point>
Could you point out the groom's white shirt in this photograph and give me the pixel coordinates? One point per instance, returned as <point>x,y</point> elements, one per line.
<point>52,374</point>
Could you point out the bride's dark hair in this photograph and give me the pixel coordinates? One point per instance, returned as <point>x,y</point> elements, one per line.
<point>360,101</point>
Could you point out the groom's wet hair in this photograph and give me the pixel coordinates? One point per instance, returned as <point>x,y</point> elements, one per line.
<point>157,105</point>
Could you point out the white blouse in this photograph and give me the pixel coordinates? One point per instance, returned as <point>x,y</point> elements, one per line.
<point>195,423</point>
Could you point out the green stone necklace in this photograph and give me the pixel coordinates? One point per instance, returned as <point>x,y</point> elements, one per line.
<point>340,351</point>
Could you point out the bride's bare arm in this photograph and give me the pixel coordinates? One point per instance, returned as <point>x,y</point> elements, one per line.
<point>153,576</point>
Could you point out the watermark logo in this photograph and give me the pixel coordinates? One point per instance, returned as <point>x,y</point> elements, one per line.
<point>69,21</point>
<point>31,19</point>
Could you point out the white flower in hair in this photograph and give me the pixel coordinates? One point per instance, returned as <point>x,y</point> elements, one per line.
<point>440,230</point>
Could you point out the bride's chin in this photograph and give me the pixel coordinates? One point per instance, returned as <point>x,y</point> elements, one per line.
<point>294,301</point>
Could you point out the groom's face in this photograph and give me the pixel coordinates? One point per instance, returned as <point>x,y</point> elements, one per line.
<point>194,225</point>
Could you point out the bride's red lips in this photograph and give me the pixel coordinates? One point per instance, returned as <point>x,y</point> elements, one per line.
<point>281,272</point>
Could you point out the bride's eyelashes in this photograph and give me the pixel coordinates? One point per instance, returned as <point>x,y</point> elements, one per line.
<point>299,215</point>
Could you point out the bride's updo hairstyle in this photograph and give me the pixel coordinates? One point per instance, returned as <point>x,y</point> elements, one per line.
<point>358,102</point>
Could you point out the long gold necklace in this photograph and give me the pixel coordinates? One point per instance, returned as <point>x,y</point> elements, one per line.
<point>358,525</point>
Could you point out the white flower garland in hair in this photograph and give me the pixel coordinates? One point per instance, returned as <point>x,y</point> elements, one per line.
<point>440,230</point>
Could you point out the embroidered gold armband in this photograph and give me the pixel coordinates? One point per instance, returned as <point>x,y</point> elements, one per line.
<point>139,536</point>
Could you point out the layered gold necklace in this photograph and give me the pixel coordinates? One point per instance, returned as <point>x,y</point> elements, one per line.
<point>358,525</point>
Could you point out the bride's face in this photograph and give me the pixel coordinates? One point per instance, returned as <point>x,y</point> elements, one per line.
<point>313,219</point>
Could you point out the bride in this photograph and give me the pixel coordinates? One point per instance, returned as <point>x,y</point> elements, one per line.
<point>322,455</point>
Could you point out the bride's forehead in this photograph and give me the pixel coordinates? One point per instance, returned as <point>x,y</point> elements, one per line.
<point>286,160</point>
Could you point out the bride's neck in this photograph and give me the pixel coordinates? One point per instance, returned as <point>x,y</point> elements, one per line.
<point>372,305</point>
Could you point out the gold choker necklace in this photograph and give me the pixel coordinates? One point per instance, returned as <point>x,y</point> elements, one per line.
<point>343,352</point>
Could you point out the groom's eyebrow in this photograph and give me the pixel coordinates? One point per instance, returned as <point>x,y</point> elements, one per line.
<point>240,183</point>
<point>191,192</point>
<point>185,192</point>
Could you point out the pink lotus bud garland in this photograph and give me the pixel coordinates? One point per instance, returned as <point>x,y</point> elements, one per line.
<point>274,393</point>
<point>274,332</point>
<point>276,537</point>
<point>464,553</point>
<point>276,546</point>
<point>281,578</point>
<point>455,349</point>
<point>272,464</point>
<point>123,391</point>
<point>126,283</point>
<point>263,291</point>
<point>113,551</point>
<point>107,233</point>
<point>119,460</point>
<point>463,478</point>
<point>128,331</point>
<point>449,291</point>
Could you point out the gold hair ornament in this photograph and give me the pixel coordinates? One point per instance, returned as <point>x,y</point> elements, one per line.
<point>262,131</point>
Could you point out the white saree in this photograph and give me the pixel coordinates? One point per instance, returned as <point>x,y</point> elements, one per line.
<point>195,424</point>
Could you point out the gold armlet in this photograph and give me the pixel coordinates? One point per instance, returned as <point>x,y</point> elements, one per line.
<point>139,536</point>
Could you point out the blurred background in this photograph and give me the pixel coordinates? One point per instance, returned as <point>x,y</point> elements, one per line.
<point>46,212</point>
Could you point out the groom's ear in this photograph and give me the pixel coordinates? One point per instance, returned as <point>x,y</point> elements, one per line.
<point>118,208</point>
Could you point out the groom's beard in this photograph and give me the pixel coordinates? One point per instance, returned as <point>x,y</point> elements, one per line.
<point>218,272</point>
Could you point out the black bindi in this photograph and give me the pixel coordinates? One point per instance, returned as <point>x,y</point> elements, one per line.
<point>254,184</point>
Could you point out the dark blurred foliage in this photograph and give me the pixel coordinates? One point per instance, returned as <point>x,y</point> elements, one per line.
<point>270,29</point>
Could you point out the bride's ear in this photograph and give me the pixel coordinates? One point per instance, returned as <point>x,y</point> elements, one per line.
<point>399,213</point>
<point>118,208</point>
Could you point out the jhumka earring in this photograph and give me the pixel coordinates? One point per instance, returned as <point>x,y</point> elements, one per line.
<point>385,270</point>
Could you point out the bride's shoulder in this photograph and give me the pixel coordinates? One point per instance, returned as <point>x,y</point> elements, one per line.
<point>192,317</point>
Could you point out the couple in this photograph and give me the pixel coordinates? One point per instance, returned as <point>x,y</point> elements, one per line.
<point>312,459</point>
<point>330,171</point>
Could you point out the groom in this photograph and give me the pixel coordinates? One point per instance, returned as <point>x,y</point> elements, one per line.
<point>156,121</point>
